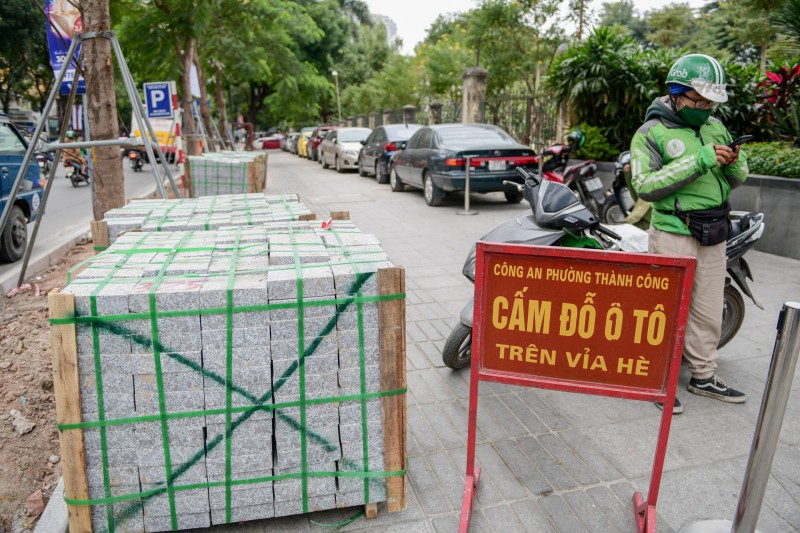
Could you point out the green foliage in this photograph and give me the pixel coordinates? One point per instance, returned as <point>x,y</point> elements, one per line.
<point>596,146</point>
<point>774,159</point>
<point>671,26</point>
<point>739,113</point>
<point>787,18</point>
<point>606,84</point>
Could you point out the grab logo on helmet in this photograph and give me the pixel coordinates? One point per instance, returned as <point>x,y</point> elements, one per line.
<point>679,73</point>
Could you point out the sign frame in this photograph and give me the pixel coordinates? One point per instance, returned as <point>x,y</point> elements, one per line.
<point>684,267</point>
<point>163,108</point>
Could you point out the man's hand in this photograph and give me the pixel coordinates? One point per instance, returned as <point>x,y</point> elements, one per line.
<point>735,155</point>
<point>726,156</point>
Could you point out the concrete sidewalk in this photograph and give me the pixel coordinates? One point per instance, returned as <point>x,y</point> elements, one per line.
<point>552,461</point>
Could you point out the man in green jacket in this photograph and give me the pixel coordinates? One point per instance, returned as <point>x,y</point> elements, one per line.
<point>681,163</point>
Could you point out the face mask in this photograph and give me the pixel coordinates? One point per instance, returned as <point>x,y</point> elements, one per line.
<point>694,117</point>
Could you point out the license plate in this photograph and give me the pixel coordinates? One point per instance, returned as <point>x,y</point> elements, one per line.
<point>497,165</point>
<point>593,184</point>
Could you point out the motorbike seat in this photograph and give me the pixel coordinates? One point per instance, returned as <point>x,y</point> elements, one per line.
<point>580,168</point>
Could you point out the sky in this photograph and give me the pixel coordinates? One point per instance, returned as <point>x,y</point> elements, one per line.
<point>413,17</point>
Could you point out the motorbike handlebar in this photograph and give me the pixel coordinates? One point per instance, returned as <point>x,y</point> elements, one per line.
<point>601,229</point>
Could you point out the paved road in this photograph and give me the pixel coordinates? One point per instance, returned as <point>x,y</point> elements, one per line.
<point>69,210</point>
<point>551,461</point>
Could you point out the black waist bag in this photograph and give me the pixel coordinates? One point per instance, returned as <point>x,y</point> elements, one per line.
<point>709,226</point>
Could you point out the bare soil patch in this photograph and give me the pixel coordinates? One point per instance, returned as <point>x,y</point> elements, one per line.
<point>30,461</point>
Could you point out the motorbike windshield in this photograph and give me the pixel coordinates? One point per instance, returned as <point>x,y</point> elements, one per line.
<point>558,197</point>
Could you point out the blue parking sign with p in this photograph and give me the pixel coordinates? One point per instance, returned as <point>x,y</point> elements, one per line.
<point>158,100</point>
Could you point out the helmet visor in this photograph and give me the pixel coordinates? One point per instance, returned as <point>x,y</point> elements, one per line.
<point>716,92</point>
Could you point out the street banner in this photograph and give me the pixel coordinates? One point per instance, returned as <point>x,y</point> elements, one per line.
<point>63,23</point>
<point>158,99</point>
<point>587,321</point>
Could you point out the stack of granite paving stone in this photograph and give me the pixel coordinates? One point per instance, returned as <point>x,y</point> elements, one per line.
<point>193,342</point>
<point>211,212</point>
<point>226,173</point>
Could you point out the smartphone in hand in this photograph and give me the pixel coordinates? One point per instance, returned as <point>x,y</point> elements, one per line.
<point>741,140</point>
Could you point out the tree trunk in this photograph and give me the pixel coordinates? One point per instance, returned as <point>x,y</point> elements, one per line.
<point>109,184</point>
<point>205,112</point>
<point>222,113</point>
<point>186,103</point>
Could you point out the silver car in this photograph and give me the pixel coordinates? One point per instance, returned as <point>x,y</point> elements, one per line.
<point>341,146</point>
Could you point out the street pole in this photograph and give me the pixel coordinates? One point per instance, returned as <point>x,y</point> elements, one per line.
<point>338,102</point>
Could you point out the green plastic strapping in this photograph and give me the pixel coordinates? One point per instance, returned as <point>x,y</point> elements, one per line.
<point>109,322</point>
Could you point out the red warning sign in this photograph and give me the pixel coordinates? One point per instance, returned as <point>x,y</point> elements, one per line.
<point>589,321</point>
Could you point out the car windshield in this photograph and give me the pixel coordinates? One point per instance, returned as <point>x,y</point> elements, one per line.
<point>401,134</point>
<point>353,136</point>
<point>474,137</point>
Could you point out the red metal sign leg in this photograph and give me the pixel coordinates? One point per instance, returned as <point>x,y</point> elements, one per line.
<point>470,491</point>
<point>644,513</point>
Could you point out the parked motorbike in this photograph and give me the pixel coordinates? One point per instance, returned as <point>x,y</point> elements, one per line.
<point>621,200</point>
<point>556,218</point>
<point>548,228</point>
<point>135,160</point>
<point>581,178</point>
<point>75,174</point>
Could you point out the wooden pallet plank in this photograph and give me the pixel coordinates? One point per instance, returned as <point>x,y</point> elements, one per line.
<point>340,215</point>
<point>371,510</point>
<point>100,235</point>
<point>392,316</point>
<point>68,409</point>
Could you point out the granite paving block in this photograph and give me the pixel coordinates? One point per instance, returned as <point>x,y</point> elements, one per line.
<point>313,504</point>
<point>243,513</point>
<point>292,488</point>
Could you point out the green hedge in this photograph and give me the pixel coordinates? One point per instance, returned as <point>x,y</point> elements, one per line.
<point>773,159</point>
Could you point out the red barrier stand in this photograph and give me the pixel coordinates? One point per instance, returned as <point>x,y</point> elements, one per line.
<point>588,321</point>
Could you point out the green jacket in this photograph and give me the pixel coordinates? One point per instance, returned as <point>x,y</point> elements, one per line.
<point>675,166</point>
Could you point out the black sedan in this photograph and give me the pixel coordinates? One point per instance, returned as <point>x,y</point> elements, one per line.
<point>379,148</point>
<point>435,158</point>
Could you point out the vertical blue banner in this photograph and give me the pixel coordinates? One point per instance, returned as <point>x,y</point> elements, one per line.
<point>63,23</point>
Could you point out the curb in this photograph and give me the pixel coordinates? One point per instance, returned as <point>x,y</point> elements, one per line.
<point>42,259</point>
<point>55,518</point>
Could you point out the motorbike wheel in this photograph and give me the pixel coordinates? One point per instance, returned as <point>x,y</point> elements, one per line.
<point>457,351</point>
<point>75,180</point>
<point>513,197</point>
<point>732,315</point>
<point>14,239</point>
<point>612,213</point>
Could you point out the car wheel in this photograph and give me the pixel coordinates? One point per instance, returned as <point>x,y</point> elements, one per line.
<point>513,197</point>
<point>394,181</point>
<point>15,237</point>
<point>361,171</point>
<point>433,196</point>
<point>324,161</point>
<point>338,166</point>
<point>380,176</point>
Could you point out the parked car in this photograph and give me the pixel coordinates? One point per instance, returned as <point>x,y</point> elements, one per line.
<point>434,159</point>
<point>302,141</point>
<point>292,142</point>
<point>341,146</point>
<point>316,138</point>
<point>267,143</point>
<point>25,208</point>
<point>379,148</point>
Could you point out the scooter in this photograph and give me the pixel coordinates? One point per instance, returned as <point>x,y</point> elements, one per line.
<point>77,176</point>
<point>556,218</point>
<point>135,161</point>
<point>544,228</point>
<point>45,160</point>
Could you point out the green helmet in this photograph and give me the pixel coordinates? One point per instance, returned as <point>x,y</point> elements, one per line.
<point>71,135</point>
<point>702,73</point>
<point>576,139</point>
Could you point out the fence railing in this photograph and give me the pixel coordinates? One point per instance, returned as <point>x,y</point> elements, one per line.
<point>529,119</point>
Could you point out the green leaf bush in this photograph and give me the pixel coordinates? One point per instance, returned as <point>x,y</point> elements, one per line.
<point>596,146</point>
<point>773,159</point>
